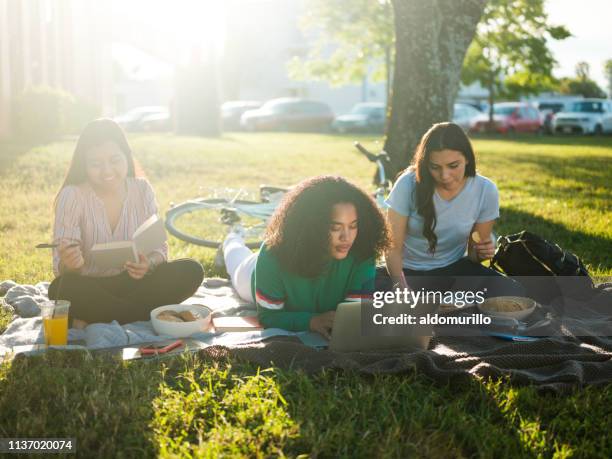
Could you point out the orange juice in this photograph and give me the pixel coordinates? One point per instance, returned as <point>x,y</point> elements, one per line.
<point>56,330</point>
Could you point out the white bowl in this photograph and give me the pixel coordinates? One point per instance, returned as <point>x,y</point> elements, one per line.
<point>528,306</point>
<point>181,329</point>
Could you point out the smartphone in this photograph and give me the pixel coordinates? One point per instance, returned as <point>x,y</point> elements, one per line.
<point>155,349</point>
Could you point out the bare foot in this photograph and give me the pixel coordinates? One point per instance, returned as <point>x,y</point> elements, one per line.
<point>79,324</point>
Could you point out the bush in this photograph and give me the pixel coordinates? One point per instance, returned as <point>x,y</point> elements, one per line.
<point>44,113</point>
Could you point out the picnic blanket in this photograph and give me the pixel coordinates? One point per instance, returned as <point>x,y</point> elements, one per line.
<point>26,328</point>
<point>574,350</point>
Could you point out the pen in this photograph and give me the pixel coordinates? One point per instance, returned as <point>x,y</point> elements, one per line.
<point>52,246</point>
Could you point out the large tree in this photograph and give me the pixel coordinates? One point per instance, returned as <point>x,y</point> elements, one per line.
<point>431,39</point>
<point>510,55</point>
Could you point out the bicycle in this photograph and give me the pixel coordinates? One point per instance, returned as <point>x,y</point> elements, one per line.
<point>209,218</point>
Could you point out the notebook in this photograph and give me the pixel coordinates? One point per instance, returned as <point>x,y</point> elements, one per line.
<point>149,236</point>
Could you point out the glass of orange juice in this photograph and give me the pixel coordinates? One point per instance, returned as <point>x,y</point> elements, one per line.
<point>55,322</point>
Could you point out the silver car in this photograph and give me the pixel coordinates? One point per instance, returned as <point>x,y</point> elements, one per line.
<point>587,116</point>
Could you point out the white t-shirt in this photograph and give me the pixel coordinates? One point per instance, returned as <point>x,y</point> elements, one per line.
<point>477,202</point>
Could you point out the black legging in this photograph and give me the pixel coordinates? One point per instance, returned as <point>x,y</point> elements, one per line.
<point>121,298</point>
<point>463,274</point>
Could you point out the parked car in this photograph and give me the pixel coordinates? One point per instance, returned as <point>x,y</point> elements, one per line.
<point>465,115</point>
<point>145,118</point>
<point>232,111</point>
<point>365,117</point>
<point>288,114</point>
<point>549,108</point>
<point>156,122</point>
<point>510,117</point>
<point>587,116</point>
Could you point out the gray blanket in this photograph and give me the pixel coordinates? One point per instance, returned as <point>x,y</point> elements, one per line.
<point>572,351</point>
<point>576,352</point>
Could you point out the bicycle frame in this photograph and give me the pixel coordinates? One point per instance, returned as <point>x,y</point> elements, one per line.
<point>259,210</point>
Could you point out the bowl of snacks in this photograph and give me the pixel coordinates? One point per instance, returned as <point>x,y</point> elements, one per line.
<point>515,307</point>
<point>180,320</point>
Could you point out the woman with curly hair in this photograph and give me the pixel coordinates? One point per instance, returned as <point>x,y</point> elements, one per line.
<point>319,250</point>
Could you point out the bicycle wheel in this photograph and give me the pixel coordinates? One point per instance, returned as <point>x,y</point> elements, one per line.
<point>200,222</point>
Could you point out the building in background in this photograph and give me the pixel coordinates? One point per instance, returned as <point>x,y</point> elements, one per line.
<point>63,44</point>
<point>261,37</point>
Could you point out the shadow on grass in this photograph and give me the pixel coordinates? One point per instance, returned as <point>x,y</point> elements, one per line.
<point>404,415</point>
<point>593,250</point>
<point>561,140</point>
<point>106,405</point>
<point>592,170</point>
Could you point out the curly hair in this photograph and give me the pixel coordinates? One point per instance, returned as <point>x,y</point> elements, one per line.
<point>299,231</point>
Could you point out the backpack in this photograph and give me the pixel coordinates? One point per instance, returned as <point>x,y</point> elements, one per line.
<point>527,254</point>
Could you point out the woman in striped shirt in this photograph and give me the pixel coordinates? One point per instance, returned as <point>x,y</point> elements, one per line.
<point>105,199</point>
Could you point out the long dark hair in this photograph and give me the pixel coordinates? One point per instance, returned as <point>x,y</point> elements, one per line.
<point>298,233</point>
<point>441,136</point>
<point>97,132</point>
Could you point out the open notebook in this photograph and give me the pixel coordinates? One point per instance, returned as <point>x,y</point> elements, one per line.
<point>149,236</point>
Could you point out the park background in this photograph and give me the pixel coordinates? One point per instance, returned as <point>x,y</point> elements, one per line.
<point>63,63</point>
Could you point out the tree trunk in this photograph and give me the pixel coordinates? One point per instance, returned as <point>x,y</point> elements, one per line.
<point>491,123</point>
<point>431,39</point>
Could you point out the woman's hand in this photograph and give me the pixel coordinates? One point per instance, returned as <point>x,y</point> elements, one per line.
<point>323,323</point>
<point>138,270</point>
<point>484,250</point>
<point>480,245</point>
<point>395,254</point>
<point>70,255</point>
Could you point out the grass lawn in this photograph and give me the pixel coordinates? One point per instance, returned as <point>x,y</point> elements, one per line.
<point>556,187</point>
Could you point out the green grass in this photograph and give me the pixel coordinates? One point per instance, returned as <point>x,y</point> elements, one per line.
<point>557,187</point>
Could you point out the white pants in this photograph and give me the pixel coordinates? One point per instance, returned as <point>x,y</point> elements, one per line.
<point>240,264</point>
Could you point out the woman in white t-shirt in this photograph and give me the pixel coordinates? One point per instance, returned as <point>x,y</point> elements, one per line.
<point>441,215</point>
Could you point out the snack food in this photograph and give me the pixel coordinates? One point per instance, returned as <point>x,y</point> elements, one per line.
<point>174,316</point>
<point>476,237</point>
<point>506,304</point>
<point>187,316</point>
<point>170,316</point>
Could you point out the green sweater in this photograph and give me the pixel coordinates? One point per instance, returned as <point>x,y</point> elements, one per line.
<point>288,301</point>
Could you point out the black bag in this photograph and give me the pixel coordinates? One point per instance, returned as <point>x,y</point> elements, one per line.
<point>526,254</point>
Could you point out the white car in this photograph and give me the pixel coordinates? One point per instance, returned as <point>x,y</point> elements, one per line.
<point>587,116</point>
<point>464,115</point>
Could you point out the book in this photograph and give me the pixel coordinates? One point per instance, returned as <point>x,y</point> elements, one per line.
<point>236,324</point>
<point>149,236</point>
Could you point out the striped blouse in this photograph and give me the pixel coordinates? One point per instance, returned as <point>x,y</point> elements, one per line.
<point>80,216</point>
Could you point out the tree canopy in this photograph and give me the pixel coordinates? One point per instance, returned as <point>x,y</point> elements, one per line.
<point>510,55</point>
<point>608,72</point>
<point>581,84</point>
<point>352,40</point>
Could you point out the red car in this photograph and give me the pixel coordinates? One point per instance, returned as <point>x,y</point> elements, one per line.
<point>510,117</point>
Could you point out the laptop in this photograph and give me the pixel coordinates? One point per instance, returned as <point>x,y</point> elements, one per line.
<point>346,334</point>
